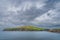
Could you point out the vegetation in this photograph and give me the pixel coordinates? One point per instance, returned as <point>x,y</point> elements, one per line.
<point>24,28</point>
<point>31,28</point>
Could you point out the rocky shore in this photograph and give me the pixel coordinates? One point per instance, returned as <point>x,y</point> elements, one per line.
<point>54,30</point>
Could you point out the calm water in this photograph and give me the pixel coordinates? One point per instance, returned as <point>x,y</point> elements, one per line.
<point>29,35</point>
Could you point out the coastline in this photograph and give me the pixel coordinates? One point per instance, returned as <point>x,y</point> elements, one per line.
<point>31,28</point>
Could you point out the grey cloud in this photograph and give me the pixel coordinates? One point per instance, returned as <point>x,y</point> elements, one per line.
<point>10,13</point>
<point>22,12</point>
<point>51,17</point>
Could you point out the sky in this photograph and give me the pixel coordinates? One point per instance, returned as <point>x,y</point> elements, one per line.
<point>41,13</point>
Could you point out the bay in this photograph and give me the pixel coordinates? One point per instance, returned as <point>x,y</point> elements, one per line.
<point>28,35</point>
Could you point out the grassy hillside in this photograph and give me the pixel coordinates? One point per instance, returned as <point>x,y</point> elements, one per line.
<point>25,28</point>
<point>30,28</point>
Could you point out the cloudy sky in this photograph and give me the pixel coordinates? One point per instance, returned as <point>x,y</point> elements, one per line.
<point>42,13</point>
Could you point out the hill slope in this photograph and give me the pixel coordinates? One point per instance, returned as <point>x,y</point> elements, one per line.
<point>24,28</point>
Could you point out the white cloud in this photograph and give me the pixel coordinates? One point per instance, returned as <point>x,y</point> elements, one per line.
<point>40,5</point>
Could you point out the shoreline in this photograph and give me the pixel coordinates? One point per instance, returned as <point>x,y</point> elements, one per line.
<point>31,28</point>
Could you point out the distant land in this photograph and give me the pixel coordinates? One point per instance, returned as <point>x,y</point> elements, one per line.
<point>31,28</point>
<point>24,28</point>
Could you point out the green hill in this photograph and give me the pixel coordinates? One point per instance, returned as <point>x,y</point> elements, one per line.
<point>24,28</point>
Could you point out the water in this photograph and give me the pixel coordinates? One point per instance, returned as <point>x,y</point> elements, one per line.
<point>23,35</point>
